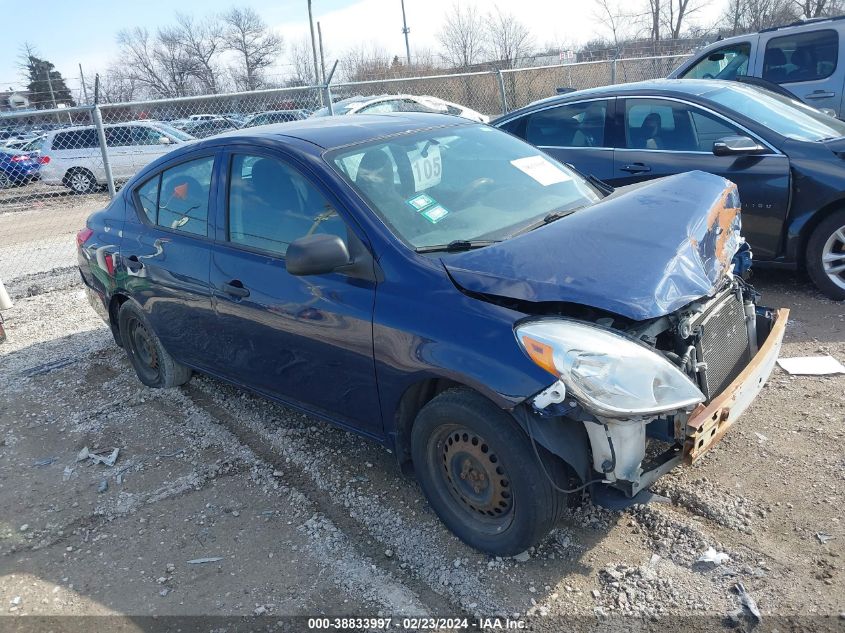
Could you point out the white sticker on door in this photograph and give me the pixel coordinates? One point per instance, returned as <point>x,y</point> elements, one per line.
<point>427,169</point>
<point>542,170</point>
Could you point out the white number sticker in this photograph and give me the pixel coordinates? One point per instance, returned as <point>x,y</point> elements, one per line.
<point>427,169</point>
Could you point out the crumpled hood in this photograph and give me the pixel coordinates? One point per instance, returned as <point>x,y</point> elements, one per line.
<point>643,252</point>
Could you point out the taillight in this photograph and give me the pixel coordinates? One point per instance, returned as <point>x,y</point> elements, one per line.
<point>20,158</point>
<point>43,159</point>
<point>83,236</point>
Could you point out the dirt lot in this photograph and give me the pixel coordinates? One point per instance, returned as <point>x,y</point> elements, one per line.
<point>305,519</point>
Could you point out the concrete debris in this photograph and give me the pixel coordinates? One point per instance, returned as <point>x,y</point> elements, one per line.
<point>522,557</point>
<point>201,561</point>
<point>104,485</point>
<point>749,608</point>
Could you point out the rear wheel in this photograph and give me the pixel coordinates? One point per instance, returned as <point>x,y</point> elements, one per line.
<point>826,255</point>
<point>5,181</point>
<point>154,366</point>
<point>80,181</point>
<point>480,474</point>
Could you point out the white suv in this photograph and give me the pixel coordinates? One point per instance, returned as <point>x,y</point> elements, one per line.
<point>72,157</point>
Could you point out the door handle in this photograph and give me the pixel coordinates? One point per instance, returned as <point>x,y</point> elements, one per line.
<point>236,289</point>
<point>133,263</point>
<point>636,168</point>
<point>820,94</point>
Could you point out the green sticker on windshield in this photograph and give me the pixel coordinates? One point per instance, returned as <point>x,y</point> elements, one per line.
<point>435,214</point>
<point>420,201</point>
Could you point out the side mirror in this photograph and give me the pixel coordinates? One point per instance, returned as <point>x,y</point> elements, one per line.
<point>164,140</point>
<point>737,146</point>
<point>316,255</point>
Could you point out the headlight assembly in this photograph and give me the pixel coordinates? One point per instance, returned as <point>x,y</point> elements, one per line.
<point>609,373</point>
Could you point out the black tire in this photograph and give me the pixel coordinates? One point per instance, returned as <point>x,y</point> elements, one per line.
<point>80,180</point>
<point>154,366</point>
<point>479,472</point>
<point>827,241</point>
<point>5,181</point>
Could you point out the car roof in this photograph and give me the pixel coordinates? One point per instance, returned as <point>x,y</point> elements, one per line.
<point>693,87</point>
<point>331,132</point>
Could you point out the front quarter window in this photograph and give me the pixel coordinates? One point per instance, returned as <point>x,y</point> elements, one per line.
<point>470,183</point>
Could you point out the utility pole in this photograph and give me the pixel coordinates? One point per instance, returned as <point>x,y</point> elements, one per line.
<point>406,30</point>
<point>322,58</point>
<point>84,87</point>
<point>313,45</point>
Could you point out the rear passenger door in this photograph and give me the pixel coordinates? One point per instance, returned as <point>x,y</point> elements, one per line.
<point>575,133</point>
<point>306,340</point>
<point>165,255</point>
<point>667,136</point>
<point>807,64</point>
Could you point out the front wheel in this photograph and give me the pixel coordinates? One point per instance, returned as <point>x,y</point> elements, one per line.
<point>154,366</point>
<point>826,255</point>
<point>481,476</point>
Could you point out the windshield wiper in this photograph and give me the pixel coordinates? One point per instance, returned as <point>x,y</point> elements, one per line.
<point>548,219</point>
<point>455,246</point>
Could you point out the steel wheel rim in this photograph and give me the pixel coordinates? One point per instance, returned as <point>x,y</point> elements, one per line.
<point>143,350</point>
<point>475,478</point>
<point>80,182</point>
<point>833,257</point>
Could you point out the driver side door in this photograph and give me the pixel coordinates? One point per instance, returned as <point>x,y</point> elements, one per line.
<point>668,136</point>
<point>307,340</point>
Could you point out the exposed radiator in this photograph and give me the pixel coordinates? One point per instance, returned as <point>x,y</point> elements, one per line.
<point>723,343</point>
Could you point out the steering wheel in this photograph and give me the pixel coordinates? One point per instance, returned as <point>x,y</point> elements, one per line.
<point>707,76</point>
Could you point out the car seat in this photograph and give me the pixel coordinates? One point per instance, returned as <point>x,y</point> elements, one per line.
<point>774,65</point>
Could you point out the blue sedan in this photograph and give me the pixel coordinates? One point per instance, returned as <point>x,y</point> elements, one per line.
<point>17,168</point>
<point>511,331</point>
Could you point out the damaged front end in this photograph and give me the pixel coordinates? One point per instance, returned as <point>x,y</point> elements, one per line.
<point>654,392</point>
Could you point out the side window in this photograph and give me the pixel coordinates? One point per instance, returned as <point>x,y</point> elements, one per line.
<point>146,136</point>
<point>728,62</point>
<point>272,204</point>
<point>178,198</point>
<point>657,124</point>
<point>118,136</point>
<point>569,125</point>
<point>801,57</point>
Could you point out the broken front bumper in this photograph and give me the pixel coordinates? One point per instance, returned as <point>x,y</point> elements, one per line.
<point>708,424</point>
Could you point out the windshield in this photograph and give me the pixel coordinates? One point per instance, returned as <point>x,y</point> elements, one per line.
<point>787,117</point>
<point>172,131</point>
<point>460,184</point>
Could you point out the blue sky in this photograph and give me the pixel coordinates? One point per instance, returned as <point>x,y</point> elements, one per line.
<point>69,33</point>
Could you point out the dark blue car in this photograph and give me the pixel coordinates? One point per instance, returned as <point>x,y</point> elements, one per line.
<point>514,333</point>
<point>785,157</point>
<point>17,168</point>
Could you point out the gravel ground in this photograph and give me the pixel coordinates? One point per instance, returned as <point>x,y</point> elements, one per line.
<point>306,519</point>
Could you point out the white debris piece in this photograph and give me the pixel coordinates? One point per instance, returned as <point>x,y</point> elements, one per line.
<point>107,461</point>
<point>811,365</point>
<point>713,557</point>
<point>200,561</point>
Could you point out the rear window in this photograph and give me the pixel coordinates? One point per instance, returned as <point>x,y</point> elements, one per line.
<point>801,57</point>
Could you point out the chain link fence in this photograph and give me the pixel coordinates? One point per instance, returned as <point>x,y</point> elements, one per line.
<point>58,166</point>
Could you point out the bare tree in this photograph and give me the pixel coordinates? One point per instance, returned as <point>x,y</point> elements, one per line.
<point>301,60</point>
<point>818,8</point>
<point>508,39</point>
<point>617,21</point>
<point>363,63</point>
<point>462,36</point>
<point>654,16</point>
<point>744,16</point>
<point>255,44</point>
<point>675,12</point>
<point>159,63</point>
<point>203,43</point>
